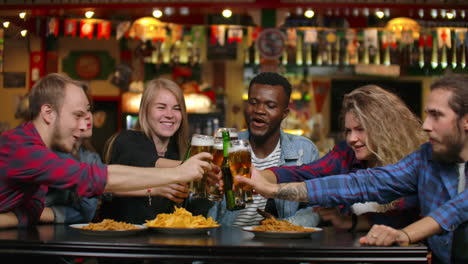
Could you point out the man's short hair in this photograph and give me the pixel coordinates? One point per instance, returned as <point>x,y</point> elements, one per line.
<point>272,78</point>
<point>50,90</point>
<point>458,84</point>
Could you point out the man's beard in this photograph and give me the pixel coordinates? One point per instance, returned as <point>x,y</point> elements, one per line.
<point>453,148</point>
<point>57,137</point>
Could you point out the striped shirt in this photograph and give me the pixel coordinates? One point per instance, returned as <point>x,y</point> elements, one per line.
<point>249,215</point>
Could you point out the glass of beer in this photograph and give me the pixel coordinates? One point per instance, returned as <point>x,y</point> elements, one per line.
<point>200,143</point>
<point>232,133</point>
<point>240,161</point>
<point>214,193</point>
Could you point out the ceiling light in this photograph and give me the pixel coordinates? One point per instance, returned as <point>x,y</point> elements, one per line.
<point>227,13</point>
<point>309,13</point>
<point>184,11</point>
<point>24,32</point>
<point>89,14</point>
<point>157,13</point>
<point>22,15</point>
<point>6,24</point>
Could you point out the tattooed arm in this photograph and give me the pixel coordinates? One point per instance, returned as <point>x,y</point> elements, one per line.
<point>263,185</point>
<point>296,191</point>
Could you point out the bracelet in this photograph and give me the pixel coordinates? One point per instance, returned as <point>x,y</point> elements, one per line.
<point>409,238</point>
<point>354,221</point>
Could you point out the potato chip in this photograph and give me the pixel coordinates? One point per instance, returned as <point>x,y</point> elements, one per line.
<point>181,218</point>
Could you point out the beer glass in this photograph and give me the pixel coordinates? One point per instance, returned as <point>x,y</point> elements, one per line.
<point>240,161</point>
<point>200,143</point>
<point>232,133</point>
<point>214,194</point>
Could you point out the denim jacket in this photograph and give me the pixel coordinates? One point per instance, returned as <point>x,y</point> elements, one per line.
<point>295,151</point>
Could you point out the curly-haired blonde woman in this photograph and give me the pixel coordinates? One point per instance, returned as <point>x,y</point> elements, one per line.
<point>379,129</point>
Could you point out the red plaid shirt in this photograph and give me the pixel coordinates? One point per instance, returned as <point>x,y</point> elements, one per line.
<point>28,167</point>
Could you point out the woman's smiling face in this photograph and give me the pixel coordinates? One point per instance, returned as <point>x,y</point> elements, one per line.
<point>356,137</point>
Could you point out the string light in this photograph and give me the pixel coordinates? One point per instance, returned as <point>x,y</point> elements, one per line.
<point>387,12</point>
<point>24,32</point>
<point>22,15</point>
<point>434,13</point>
<point>157,13</point>
<point>89,14</point>
<point>379,13</point>
<point>169,11</point>
<point>6,24</point>
<point>421,13</point>
<point>227,13</point>
<point>309,13</point>
<point>184,11</point>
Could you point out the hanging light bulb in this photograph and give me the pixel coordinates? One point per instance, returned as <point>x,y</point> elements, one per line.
<point>6,24</point>
<point>421,13</point>
<point>89,14</point>
<point>434,13</point>
<point>309,13</point>
<point>169,11</point>
<point>443,13</point>
<point>387,12</point>
<point>24,32</point>
<point>22,15</point>
<point>365,12</point>
<point>227,13</point>
<point>450,15</point>
<point>299,11</point>
<point>185,11</point>
<point>157,13</point>
<point>462,14</point>
<point>355,12</point>
<point>379,13</point>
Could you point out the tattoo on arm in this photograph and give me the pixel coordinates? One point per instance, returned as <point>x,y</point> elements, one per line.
<point>293,192</point>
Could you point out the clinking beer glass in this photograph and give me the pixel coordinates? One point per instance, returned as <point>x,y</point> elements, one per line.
<point>214,194</point>
<point>240,161</point>
<point>200,143</point>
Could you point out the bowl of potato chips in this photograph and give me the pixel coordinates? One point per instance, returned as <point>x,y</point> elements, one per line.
<point>182,222</point>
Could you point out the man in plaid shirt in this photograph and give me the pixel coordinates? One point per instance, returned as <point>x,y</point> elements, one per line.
<point>437,173</point>
<point>59,109</point>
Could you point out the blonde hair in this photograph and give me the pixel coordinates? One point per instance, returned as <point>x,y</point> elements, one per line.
<point>393,131</point>
<point>152,88</point>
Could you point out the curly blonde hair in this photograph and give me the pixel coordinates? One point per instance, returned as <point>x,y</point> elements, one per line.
<point>393,131</point>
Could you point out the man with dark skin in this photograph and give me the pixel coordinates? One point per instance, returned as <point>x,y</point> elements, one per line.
<point>265,109</point>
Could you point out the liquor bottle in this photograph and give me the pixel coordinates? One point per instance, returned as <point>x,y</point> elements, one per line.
<point>227,176</point>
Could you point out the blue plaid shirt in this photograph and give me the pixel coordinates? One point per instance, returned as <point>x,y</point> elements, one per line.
<point>435,183</point>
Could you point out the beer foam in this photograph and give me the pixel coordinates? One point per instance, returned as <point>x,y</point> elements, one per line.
<point>202,141</point>
<point>218,145</point>
<point>232,133</point>
<point>235,148</point>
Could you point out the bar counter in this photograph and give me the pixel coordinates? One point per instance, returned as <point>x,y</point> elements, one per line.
<point>225,244</point>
